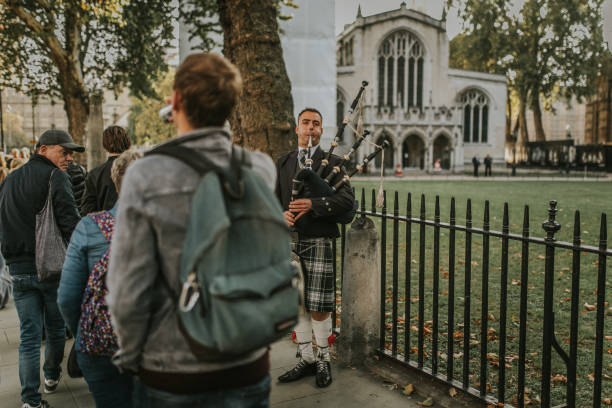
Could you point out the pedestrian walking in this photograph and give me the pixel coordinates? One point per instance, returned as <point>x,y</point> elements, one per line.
<point>488,161</point>
<point>144,279</point>
<point>476,164</point>
<point>314,222</point>
<point>84,272</point>
<point>40,182</point>
<point>100,193</point>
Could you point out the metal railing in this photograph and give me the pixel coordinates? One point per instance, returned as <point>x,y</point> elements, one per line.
<point>395,346</point>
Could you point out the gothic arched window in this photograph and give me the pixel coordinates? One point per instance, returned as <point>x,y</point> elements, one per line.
<point>475,116</point>
<point>400,71</point>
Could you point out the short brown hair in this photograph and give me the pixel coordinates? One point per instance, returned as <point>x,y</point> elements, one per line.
<point>115,139</point>
<point>121,164</point>
<point>208,85</point>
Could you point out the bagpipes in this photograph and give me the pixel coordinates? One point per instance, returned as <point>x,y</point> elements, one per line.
<point>310,184</point>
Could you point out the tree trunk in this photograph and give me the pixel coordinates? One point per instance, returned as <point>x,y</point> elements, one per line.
<point>537,118</point>
<point>263,117</point>
<point>524,133</point>
<point>76,105</point>
<point>508,118</point>
<point>95,127</point>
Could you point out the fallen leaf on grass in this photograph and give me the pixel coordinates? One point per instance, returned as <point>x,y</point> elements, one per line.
<point>608,337</point>
<point>606,401</point>
<point>590,308</point>
<point>591,377</point>
<point>558,378</point>
<point>408,389</point>
<point>427,403</point>
<point>452,392</point>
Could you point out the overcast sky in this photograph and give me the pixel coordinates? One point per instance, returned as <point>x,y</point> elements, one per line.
<point>346,11</point>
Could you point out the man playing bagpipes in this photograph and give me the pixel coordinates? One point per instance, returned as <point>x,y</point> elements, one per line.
<point>313,217</point>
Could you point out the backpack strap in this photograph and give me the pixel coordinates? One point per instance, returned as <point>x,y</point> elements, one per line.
<point>105,222</point>
<point>190,157</point>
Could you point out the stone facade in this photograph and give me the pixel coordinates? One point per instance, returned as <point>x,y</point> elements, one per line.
<point>49,113</point>
<point>598,115</point>
<point>433,116</point>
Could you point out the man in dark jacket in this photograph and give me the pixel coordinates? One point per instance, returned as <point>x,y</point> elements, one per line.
<point>314,221</point>
<point>100,193</point>
<point>23,194</point>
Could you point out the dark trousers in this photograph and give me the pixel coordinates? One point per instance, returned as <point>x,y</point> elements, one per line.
<point>487,171</point>
<point>109,388</point>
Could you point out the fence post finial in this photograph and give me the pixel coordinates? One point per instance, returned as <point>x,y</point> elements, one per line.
<point>551,226</point>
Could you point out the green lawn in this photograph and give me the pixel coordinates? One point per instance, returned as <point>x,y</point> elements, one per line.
<point>591,198</point>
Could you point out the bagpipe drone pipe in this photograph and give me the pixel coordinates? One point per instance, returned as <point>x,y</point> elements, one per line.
<point>308,183</point>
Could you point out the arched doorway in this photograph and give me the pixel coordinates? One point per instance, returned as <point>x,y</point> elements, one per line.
<point>442,152</point>
<point>413,152</point>
<point>388,152</point>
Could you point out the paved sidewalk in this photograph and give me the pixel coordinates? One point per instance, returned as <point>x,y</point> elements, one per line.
<point>351,387</point>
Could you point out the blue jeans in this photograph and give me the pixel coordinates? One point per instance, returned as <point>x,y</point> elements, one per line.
<point>34,302</point>
<point>109,388</point>
<point>252,396</point>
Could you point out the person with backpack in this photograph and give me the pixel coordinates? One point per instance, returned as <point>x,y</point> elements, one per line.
<point>314,222</point>
<point>173,213</point>
<point>81,299</point>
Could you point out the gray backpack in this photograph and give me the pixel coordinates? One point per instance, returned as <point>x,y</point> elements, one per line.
<point>239,287</point>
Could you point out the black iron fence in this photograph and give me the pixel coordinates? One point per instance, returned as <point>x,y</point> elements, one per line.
<point>563,154</point>
<point>449,347</point>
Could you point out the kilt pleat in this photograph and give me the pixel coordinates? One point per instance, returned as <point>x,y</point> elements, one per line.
<point>317,260</point>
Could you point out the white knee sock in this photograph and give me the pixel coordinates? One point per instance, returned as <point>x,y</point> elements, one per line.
<point>322,330</point>
<point>303,334</point>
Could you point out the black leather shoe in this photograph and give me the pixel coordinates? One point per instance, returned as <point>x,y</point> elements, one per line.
<point>302,369</point>
<point>324,377</point>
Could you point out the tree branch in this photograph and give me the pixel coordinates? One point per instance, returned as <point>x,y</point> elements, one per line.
<point>51,41</point>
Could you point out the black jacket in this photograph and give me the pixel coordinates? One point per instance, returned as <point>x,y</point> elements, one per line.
<point>22,195</point>
<point>100,192</point>
<point>77,175</point>
<point>321,222</point>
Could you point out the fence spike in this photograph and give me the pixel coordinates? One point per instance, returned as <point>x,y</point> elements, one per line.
<point>373,201</point>
<point>601,298</point>
<point>395,271</point>
<point>523,309</point>
<point>421,283</point>
<point>450,369</point>
<point>363,206</point>
<point>551,226</point>
<point>484,316</point>
<point>501,388</point>
<point>408,280</point>
<point>467,295</point>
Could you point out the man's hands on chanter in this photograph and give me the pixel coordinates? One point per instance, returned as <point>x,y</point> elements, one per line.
<point>300,206</point>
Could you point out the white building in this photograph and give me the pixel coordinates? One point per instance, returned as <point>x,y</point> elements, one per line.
<point>427,111</point>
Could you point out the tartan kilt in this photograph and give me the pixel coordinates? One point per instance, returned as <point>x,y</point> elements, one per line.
<point>318,270</point>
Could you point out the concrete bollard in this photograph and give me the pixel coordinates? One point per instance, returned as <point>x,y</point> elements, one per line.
<point>360,324</point>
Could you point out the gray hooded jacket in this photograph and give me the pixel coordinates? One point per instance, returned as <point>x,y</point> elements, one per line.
<point>152,216</point>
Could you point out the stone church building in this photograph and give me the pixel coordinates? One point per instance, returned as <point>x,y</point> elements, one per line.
<point>433,116</point>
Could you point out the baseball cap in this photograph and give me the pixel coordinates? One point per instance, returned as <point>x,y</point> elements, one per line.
<point>59,137</point>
